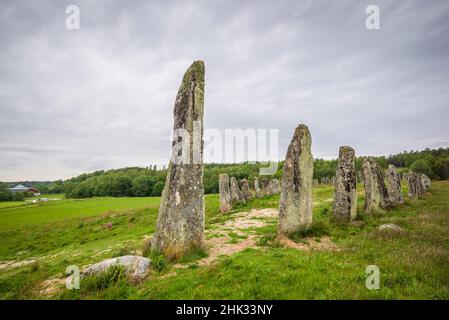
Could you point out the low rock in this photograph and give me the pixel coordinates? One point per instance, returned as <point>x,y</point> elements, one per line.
<point>108,225</point>
<point>390,227</point>
<point>136,267</point>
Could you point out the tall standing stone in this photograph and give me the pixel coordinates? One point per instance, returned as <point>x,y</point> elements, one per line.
<point>245,189</point>
<point>180,224</point>
<point>394,186</point>
<point>256,187</point>
<point>225,194</point>
<point>376,194</point>
<point>345,197</point>
<point>295,207</point>
<point>425,181</point>
<point>236,194</point>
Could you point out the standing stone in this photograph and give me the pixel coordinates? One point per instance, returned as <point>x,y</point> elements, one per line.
<point>405,176</point>
<point>225,194</point>
<point>315,182</point>
<point>345,197</point>
<point>236,194</point>
<point>265,187</point>
<point>394,186</point>
<point>277,186</point>
<point>415,187</point>
<point>376,194</point>
<point>270,187</point>
<point>245,189</point>
<point>425,180</point>
<point>180,224</point>
<point>256,187</point>
<point>295,207</point>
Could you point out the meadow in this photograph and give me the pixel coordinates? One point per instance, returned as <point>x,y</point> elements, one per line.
<point>37,243</point>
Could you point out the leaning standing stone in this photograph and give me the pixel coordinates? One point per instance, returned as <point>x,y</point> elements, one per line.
<point>245,189</point>
<point>295,209</point>
<point>345,197</point>
<point>425,181</point>
<point>394,185</point>
<point>180,225</point>
<point>236,194</point>
<point>225,194</point>
<point>376,194</point>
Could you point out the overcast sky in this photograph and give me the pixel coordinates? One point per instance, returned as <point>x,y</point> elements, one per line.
<point>101,97</point>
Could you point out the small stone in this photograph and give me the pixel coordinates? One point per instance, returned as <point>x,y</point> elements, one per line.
<point>390,227</point>
<point>136,267</point>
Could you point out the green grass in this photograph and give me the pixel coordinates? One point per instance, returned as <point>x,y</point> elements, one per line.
<point>31,215</point>
<point>413,264</point>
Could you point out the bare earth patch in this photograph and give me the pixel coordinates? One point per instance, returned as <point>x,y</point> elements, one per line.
<point>4,265</point>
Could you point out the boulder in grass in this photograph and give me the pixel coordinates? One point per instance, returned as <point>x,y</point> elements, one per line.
<point>390,227</point>
<point>136,267</point>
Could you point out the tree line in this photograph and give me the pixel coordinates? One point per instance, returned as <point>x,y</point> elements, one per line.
<point>149,181</point>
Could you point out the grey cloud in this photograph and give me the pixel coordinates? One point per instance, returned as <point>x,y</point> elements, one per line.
<point>104,94</point>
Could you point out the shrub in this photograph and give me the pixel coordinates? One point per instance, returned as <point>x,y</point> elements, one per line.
<point>18,196</point>
<point>317,229</point>
<point>157,189</point>
<point>159,263</point>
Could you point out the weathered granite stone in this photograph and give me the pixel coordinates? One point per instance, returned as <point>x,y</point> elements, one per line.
<point>345,196</point>
<point>277,186</point>
<point>136,267</point>
<point>376,194</point>
<point>271,187</point>
<point>394,186</point>
<point>295,208</point>
<point>225,193</point>
<point>391,227</point>
<point>180,225</point>
<point>245,189</point>
<point>425,181</point>
<point>265,187</point>
<point>415,187</point>
<point>236,194</point>
<point>257,188</point>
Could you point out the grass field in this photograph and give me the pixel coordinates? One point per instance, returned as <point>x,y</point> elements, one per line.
<point>37,243</point>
